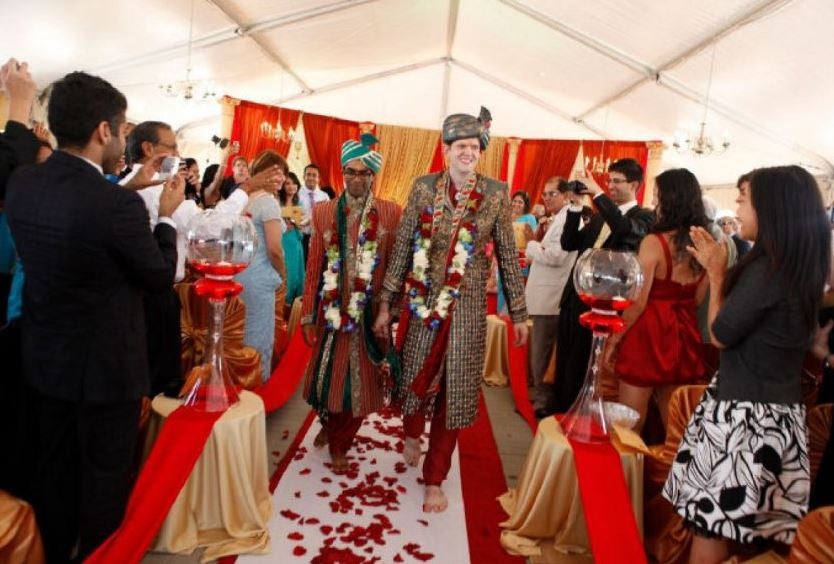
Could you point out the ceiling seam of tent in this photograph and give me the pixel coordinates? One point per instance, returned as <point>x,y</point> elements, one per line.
<point>724,31</point>
<point>256,38</point>
<point>451,30</point>
<point>230,33</point>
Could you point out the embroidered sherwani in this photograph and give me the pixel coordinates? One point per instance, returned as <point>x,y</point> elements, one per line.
<point>354,383</point>
<point>467,337</point>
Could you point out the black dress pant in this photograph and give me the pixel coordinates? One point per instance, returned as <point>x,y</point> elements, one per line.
<point>81,478</point>
<point>574,346</point>
<point>162,323</point>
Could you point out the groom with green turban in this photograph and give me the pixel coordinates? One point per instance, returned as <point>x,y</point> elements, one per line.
<point>350,245</point>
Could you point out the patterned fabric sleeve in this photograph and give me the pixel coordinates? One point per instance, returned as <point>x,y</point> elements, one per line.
<point>315,263</point>
<point>400,261</point>
<point>507,255</point>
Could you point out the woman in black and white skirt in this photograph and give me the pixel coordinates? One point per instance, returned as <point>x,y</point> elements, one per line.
<point>741,473</point>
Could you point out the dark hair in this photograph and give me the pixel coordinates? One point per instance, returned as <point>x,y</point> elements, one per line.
<point>282,195</point>
<point>561,183</point>
<point>524,196</point>
<point>629,168</point>
<point>266,159</point>
<point>743,178</point>
<point>793,233</point>
<point>189,162</point>
<point>208,175</point>
<point>681,206</point>
<point>329,191</point>
<point>78,103</point>
<point>312,165</point>
<point>145,131</point>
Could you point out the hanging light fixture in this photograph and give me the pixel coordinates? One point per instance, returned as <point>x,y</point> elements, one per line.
<point>187,89</point>
<point>599,165</point>
<point>700,143</point>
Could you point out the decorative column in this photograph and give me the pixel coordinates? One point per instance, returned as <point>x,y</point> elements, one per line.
<point>227,115</point>
<point>653,166</point>
<point>513,143</point>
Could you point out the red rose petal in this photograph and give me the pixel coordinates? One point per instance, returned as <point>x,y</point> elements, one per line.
<point>311,521</point>
<point>299,551</point>
<point>326,529</point>
<point>305,472</point>
<point>398,558</point>
<point>292,515</point>
<point>296,536</point>
<point>323,493</point>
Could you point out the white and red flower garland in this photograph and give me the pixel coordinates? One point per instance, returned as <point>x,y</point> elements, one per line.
<point>366,262</point>
<point>419,282</point>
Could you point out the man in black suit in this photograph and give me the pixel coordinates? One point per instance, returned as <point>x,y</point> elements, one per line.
<point>88,256</point>
<point>619,224</point>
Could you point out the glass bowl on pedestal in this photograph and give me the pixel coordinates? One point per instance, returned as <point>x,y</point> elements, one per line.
<point>608,282</point>
<point>219,246</point>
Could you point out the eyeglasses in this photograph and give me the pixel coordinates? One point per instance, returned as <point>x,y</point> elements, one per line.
<point>353,173</point>
<point>725,222</point>
<point>618,181</point>
<point>550,194</point>
<point>167,146</point>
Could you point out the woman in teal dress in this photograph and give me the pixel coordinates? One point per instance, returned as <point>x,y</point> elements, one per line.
<point>293,249</point>
<point>266,271</point>
<point>521,214</point>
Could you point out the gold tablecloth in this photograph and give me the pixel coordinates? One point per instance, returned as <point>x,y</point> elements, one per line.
<point>225,504</point>
<point>496,359</point>
<point>545,507</point>
<point>20,540</point>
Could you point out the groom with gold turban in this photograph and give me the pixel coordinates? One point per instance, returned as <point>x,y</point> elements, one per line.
<point>351,241</point>
<point>439,257</point>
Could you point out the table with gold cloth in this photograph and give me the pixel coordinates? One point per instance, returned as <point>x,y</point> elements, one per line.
<point>225,504</point>
<point>545,507</point>
<point>496,359</point>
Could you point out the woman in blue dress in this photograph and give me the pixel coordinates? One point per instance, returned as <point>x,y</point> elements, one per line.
<point>521,215</point>
<point>267,271</point>
<point>294,215</point>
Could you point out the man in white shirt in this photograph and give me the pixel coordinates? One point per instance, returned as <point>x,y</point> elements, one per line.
<point>309,195</point>
<point>550,267</point>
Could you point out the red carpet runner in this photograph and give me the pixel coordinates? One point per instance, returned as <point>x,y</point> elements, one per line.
<point>285,378</point>
<point>518,377</point>
<point>609,517</point>
<point>177,448</point>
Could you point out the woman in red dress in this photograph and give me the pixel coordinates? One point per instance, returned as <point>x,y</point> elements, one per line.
<point>660,348</point>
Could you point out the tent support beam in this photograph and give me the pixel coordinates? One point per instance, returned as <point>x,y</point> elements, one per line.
<point>229,34</point>
<point>262,45</point>
<point>525,95</point>
<point>451,30</point>
<point>745,18</point>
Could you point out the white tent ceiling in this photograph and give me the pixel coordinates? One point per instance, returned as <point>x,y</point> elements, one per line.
<point>620,69</point>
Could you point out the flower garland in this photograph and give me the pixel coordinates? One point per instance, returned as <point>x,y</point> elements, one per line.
<point>464,234</point>
<point>366,262</point>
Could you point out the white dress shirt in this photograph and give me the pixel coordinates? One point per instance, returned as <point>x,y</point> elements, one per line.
<point>309,198</point>
<point>550,267</point>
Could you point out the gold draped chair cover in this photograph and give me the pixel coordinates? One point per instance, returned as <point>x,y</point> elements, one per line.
<point>819,432</point>
<point>243,361</point>
<point>20,539</point>
<point>667,539</point>
<point>814,540</point>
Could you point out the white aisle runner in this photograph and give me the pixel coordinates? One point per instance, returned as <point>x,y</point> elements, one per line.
<point>371,514</point>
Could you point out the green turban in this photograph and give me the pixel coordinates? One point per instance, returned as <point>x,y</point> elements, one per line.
<point>353,149</point>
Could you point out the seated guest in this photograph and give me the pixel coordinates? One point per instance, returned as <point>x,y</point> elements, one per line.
<point>294,217</point>
<point>741,473</point>
<point>660,347</point>
<point>89,256</point>
<point>267,270</point>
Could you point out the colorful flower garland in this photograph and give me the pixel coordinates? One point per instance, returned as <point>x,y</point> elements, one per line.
<point>464,234</point>
<point>366,262</point>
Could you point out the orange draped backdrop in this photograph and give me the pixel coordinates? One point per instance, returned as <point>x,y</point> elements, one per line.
<point>615,150</point>
<point>538,160</point>
<point>246,128</point>
<point>325,136</point>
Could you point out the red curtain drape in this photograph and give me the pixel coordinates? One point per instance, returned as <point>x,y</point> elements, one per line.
<point>616,150</point>
<point>246,128</point>
<point>325,136</point>
<point>538,160</point>
<point>438,163</point>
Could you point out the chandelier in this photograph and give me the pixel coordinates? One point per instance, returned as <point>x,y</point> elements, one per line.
<point>276,131</point>
<point>187,89</point>
<point>701,143</point>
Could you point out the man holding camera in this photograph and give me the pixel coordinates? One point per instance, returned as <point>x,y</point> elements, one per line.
<point>619,224</point>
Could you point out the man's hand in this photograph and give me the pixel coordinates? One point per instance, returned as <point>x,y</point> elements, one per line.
<point>18,84</point>
<point>41,132</point>
<point>591,183</point>
<point>521,331</point>
<point>264,180</point>
<point>173,194</point>
<point>144,177</point>
<point>308,332</point>
<point>382,323</point>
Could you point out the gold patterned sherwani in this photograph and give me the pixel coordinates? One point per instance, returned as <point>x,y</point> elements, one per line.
<point>465,353</point>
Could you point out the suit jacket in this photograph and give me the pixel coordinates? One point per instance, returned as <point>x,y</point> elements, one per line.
<point>18,147</point>
<point>352,366</point>
<point>467,336</point>
<point>550,268</point>
<point>88,255</point>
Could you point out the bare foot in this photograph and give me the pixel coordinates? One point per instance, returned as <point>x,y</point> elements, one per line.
<point>339,462</point>
<point>411,451</point>
<point>435,500</point>
<point>321,439</point>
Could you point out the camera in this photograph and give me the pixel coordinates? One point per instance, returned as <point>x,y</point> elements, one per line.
<point>576,187</point>
<point>170,166</point>
<point>222,143</point>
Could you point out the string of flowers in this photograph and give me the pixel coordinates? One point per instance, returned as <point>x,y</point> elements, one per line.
<point>366,262</point>
<point>419,281</point>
